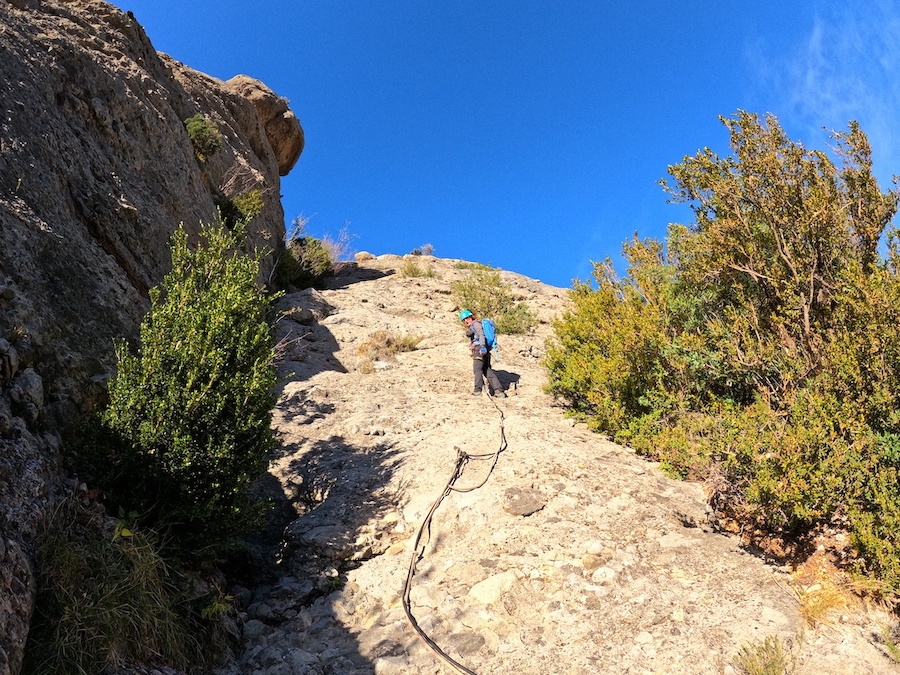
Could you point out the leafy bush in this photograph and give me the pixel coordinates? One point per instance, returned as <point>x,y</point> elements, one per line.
<point>241,209</point>
<point>104,598</point>
<point>187,428</point>
<point>761,344</point>
<point>204,136</point>
<point>484,293</point>
<point>305,261</point>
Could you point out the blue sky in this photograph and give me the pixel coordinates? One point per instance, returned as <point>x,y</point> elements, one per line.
<point>531,135</point>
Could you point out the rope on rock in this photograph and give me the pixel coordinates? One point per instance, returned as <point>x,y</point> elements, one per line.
<point>462,458</point>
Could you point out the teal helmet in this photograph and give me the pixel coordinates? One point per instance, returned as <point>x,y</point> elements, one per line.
<point>465,314</point>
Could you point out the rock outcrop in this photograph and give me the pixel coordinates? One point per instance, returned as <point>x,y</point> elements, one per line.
<point>96,172</point>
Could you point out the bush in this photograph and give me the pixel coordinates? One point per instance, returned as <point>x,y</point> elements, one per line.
<point>305,261</point>
<point>759,345</point>
<point>204,136</point>
<point>104,598</point>
<point>242,209</point>
<point>187,428</point>
<point>427,249</point>
<point>769,656</point>
<point>486,295</point>
<point>412,269</point>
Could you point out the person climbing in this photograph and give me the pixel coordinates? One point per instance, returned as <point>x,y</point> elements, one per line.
<point>481,357</point>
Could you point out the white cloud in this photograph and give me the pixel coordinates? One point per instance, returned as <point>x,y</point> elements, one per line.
<point>846,67</point>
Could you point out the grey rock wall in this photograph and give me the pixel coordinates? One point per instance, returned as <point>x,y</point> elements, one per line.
<point>96,172</point>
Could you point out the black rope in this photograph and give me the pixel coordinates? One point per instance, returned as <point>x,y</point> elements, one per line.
<point>462,458</point>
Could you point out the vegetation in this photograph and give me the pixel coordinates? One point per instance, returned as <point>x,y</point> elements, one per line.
<point>466,265</point>
<point>483,292</point>
<point>770,656</point>
<point>204,135</point>
<point>104,597</point>
<point>412,269</point>
<point>187,428</point>
<point>305,261</point>
<point>241,209</point>
<point>383,346</point>
<point>759,347</point>
<point>427,249</point>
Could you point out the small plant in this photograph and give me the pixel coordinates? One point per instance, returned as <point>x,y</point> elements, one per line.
<point>383,346</point>
<point>889,638</point>
<point>484,293</point>
<point>465,265</point>
<point>769,657</point>
<point>305,261</point>
<point>218,604</point>
<point>241,209</point>
<point>427,249</point>
<point>18,335</point>
<point>204,136</point>
<point>821,590</point>
<point>105,596</point>
<point>338,249</point>
<point>412,269</point>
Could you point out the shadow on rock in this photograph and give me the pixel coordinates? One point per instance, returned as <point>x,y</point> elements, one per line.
<point>507,378</point>
<point>340,490</point>
<point>347,273</point>
<point>304,347</point>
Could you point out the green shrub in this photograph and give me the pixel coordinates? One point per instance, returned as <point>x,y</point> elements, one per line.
<point>484,293</point>
<point>104,597</point>
<point>242,209</point>
<point>305,261</point>
<point>759,345</point>
<point>187,428</point>
<point>204,136</point>
<point>770,656</point>
<point>412,269</point>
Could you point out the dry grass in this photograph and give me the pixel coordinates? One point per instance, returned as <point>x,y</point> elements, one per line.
<point>105,597</point>
<point>411,269</point>
<point>771,656</point>
<point>384,346</point>
<point>822,590</point>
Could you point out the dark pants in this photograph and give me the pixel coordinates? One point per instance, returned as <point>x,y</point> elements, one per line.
<point>481,369</point>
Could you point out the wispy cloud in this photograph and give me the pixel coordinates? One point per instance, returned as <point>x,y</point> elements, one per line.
<point>846,67</point>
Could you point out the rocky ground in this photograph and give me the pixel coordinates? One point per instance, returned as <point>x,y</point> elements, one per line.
<point>574,556</point>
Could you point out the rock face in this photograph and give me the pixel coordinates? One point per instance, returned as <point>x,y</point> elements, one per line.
<point>568,555</point>
<point>96,172</point>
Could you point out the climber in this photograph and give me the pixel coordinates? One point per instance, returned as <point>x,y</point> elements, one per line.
<point>481,357</point>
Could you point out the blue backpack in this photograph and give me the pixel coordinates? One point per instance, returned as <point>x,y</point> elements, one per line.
<point>490,333</point>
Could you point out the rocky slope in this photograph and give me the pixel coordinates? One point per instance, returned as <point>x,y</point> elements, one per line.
<point>575,556</point>
<point>96,171</point>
